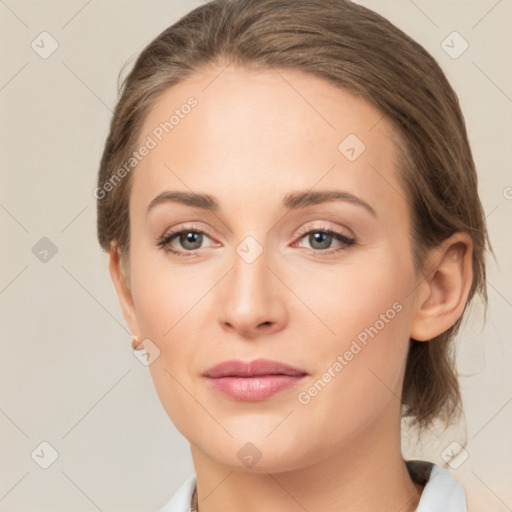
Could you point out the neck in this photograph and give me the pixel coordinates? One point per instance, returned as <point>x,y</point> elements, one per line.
<point>366,473</point>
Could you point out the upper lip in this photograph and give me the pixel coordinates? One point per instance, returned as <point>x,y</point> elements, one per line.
<point>257,367</point>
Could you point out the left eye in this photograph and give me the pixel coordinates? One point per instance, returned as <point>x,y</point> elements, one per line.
<point>320,239</point>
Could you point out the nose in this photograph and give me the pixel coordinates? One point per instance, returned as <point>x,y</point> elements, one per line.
<point>253,302</point>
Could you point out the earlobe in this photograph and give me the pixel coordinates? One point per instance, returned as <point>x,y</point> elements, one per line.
<point>445,289</point>
<point>122,287</point>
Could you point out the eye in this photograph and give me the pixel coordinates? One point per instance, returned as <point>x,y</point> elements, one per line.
<point>322,239</point>
<point>189,239</point>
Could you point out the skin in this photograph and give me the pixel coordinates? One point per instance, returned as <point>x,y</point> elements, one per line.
<point>254,137</point>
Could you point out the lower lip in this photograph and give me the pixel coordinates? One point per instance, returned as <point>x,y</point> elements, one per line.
<point>254,389</point>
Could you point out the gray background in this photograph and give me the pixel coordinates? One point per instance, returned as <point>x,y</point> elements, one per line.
<point>68,376</point>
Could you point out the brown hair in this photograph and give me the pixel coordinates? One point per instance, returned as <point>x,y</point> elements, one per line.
<point>356,49</point>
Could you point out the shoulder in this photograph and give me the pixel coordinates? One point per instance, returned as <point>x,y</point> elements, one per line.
<point>182,498</point>
<point>442,492</point>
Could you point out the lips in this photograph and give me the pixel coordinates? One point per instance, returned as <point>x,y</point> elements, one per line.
<point>255,368</point>
<point>253,381</point>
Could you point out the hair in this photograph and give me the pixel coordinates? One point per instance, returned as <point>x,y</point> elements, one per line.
<point>358,51</point>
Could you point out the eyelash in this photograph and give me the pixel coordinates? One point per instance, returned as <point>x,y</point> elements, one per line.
<point>345,242</point>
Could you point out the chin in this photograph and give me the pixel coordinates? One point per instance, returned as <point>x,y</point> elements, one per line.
<point>260,457</point>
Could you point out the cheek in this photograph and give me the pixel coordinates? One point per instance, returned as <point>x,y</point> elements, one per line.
<point>170,304</point>
<point>353,297</point>
<point>162,294</point>
<point>359,370</point>
<point>367,311</point>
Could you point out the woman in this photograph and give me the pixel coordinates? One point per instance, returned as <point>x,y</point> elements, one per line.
<point>290,205</point>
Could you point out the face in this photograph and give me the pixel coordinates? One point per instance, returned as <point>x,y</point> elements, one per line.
<point>300,255</point>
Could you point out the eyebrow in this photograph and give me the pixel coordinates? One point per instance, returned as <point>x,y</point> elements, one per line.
<point>293,201</point>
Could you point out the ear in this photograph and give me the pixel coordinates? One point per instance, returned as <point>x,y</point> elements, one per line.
<point>122,285</point>
<point>444,292</point>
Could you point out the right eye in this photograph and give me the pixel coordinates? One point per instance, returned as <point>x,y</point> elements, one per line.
<point>189,239</point>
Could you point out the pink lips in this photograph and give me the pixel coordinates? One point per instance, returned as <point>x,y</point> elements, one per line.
<point>253,380</point>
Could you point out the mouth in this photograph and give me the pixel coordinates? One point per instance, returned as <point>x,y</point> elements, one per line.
<point>253,380</point>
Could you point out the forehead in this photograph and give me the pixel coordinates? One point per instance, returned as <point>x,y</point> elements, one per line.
<point>269,128</point>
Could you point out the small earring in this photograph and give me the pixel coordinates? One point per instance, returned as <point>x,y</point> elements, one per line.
<point>135,342</point>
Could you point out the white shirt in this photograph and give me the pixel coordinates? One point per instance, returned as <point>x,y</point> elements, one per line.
<point>442,493</point>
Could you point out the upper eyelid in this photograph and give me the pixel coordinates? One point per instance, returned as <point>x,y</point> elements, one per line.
<point>301,231</point>
<point>324,227</point>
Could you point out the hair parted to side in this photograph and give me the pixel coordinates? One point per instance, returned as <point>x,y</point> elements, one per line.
<point>355,49</point>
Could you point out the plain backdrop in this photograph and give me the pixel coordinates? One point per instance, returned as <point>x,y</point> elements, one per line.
<point>68,378</point>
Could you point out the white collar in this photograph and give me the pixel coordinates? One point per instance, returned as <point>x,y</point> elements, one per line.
<point>442,493</point>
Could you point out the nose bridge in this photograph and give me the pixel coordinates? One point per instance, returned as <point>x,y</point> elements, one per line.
<point>250,272</point>
<point>252,300</point>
